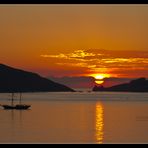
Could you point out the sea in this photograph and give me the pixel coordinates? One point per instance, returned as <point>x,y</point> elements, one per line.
<point>83,117</point>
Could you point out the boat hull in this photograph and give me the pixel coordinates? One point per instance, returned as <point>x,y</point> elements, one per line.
<point>17,107</point>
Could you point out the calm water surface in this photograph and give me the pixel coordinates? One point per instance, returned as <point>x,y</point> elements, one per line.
<point>76,118</point>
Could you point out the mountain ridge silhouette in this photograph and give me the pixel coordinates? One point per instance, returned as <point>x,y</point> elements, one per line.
<point>17,80</point>
<point>137,85</point>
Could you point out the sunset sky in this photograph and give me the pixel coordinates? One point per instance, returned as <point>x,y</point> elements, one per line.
<point>76,40</point>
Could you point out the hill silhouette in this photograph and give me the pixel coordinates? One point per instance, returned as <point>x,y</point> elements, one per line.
<point>138,85</point>
<point>16,80</point>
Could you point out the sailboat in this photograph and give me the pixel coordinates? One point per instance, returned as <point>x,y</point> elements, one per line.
<point>19,106</point>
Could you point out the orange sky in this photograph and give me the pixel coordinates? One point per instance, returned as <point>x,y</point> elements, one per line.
<point>73,40</point>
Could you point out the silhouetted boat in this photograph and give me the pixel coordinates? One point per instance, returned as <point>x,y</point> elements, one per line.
<point>19,106</point>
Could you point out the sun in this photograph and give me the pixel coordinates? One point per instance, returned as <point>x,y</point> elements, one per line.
<point>99,82</point>
<point>99,78</point>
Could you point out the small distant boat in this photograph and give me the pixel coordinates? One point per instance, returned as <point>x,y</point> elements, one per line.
<point>19,106</point>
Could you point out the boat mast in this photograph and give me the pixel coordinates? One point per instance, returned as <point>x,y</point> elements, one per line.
<point>12,99</point>
<point>20,98</point>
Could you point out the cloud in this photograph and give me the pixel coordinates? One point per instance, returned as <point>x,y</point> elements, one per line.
<point>54,56</point>
<point>77,64</point>
<point>100,60</point>
<point>77,55</point>
<point>81,54</point>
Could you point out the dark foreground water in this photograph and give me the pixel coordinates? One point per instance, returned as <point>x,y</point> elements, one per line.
<point>76,118</point>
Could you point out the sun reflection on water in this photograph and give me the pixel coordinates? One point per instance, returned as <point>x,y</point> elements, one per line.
<point>99,123</point>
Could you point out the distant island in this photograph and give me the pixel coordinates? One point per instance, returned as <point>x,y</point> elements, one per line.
<point>138,85</point>
<point>16,80</point>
